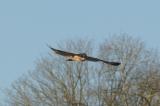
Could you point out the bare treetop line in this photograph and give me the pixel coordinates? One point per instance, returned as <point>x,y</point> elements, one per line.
<point>81,57</point>
<point>56,82</point>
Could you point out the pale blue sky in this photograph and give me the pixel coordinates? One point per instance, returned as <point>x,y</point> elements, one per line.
<point>27,25</point>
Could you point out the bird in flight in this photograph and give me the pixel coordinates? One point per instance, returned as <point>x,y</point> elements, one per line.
<point>81,57</point>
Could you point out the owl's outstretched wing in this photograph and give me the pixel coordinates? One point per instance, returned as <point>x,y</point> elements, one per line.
<point>107,62</point>
<point>63,53</point>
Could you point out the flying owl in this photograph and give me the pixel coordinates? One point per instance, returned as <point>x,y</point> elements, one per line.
<point>81,57</point>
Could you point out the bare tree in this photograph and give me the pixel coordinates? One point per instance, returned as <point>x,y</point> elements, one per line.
<point>121,83</point>
<point>56,82</point>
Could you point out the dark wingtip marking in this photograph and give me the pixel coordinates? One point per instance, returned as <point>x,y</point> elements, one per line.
<point>51,47</point>
<point>115,63</point>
